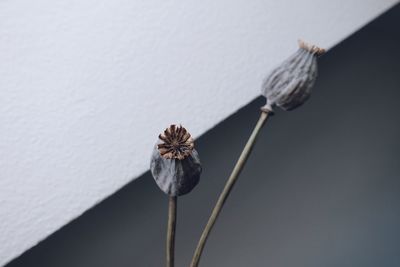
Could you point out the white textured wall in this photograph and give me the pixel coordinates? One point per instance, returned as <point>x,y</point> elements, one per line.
<point>86,86</point>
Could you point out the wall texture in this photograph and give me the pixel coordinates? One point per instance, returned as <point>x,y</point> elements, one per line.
<point>87,85</point>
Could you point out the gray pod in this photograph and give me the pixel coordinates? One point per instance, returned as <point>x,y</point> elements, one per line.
<point>173,176</point>
<point>289,85</point>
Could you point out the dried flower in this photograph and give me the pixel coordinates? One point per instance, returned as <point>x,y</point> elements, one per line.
<point>175,164</point>
<point>289,85</point>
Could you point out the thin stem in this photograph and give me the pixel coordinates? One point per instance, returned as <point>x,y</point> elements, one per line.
<point>172,206</point>
<point>228,187</point>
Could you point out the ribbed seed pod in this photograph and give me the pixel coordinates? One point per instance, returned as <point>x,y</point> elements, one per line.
<point>289,85</point>
<point>175,164</point>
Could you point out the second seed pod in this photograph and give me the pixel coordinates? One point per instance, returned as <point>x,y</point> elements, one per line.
<point>289,85</point>
<point>175,164</point>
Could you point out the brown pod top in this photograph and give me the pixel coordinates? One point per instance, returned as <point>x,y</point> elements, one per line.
<point>175,164</point>
<point>177,143</point>
<point>289,85</point>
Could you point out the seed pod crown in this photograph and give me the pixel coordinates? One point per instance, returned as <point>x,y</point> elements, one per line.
<point>177,143</point>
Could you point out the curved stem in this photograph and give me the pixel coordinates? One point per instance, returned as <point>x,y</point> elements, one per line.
<point>172,207</point>
<point>228,187</point>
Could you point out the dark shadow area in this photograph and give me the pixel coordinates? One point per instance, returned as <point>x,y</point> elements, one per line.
<point>322,187</point>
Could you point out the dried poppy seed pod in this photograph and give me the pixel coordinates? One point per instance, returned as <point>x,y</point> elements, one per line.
<point>289,85</point>
<point>175,164</point>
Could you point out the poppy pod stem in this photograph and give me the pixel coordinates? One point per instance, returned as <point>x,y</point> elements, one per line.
<point>172,208</point>
<point>228,186</point>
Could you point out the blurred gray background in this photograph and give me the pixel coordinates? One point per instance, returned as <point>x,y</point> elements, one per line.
<point>321,188</point>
